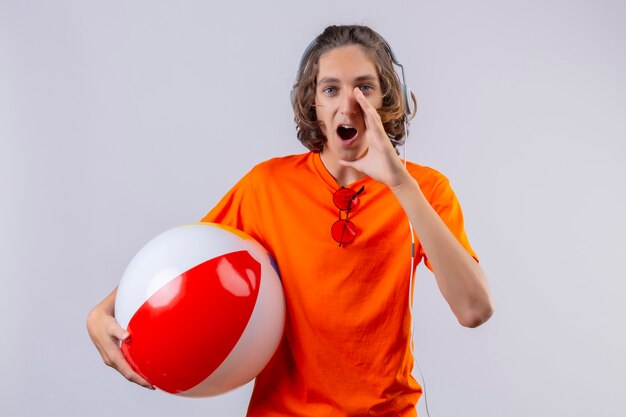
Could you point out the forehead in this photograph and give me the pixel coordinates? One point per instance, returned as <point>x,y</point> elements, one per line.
<point>348,61</point>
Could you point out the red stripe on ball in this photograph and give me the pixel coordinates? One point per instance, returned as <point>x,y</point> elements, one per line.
<point>185,330</point>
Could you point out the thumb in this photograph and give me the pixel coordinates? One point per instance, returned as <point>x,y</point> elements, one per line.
<point>352,164</point>
<point>118,332</point>
<point>345,163</point>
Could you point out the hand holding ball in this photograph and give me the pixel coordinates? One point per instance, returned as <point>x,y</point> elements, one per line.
<point>204,308</point>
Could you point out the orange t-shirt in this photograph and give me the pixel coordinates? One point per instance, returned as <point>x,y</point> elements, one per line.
<point>346,349</point>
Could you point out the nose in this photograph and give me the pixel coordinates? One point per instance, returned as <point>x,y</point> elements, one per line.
<point>348,105</point>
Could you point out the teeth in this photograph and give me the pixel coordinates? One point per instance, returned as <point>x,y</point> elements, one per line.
<point>346,132</point>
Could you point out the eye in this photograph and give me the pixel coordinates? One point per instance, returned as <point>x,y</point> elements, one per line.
<point>329,90</point>
<point>366,88</point>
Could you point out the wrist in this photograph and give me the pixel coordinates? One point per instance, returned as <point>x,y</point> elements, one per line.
<point>404,183</point>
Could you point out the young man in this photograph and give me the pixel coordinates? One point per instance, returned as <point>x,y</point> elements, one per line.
<point>335,221</point>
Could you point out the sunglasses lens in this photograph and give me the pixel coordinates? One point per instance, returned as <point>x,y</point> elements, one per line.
<point>343,231</point>
<point>345,199</point>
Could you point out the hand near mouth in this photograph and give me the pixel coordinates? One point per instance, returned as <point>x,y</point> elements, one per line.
<point>380,161</point>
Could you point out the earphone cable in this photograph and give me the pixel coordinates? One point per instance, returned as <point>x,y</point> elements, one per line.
<point>411,289</point>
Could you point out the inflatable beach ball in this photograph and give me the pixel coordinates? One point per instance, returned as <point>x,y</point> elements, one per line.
<point>204,308</point>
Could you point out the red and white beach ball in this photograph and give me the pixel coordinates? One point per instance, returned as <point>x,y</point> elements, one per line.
<point>204,308</point>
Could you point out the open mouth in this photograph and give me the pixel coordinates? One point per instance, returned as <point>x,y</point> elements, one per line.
<point>346,132</point>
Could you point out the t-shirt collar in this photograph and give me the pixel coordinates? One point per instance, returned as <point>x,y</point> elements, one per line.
<point>331,182</point>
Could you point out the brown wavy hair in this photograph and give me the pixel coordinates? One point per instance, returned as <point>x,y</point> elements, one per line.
<point>303,93</point>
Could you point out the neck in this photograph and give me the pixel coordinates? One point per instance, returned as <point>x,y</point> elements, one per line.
<point>343,175</point>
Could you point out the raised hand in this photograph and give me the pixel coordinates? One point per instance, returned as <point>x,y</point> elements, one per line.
<point>381,161</point>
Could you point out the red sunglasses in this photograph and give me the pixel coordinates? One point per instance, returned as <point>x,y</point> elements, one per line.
<point>345,199</point>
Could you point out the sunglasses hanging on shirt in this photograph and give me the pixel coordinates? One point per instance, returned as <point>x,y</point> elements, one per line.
<point>346,200</point>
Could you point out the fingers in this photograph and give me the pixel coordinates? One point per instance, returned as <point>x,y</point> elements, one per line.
<point>106,333</point>
<point>115,330</point>
<point>114,358</point>
<point>370,114</point>
<point>117,361</point>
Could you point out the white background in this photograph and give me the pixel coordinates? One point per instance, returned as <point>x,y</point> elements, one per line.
<point>119,120</point>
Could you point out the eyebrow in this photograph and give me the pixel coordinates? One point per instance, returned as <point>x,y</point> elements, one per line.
<point>332,80</point>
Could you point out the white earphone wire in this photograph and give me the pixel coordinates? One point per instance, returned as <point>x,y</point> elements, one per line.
<point>412,286</point>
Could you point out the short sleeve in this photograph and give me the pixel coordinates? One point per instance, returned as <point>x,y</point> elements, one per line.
<point>445,203</point>
<point>237,208</point>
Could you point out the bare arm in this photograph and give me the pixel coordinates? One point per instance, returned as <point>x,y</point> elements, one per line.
<point>459,277</point>
<point>106,333</point>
